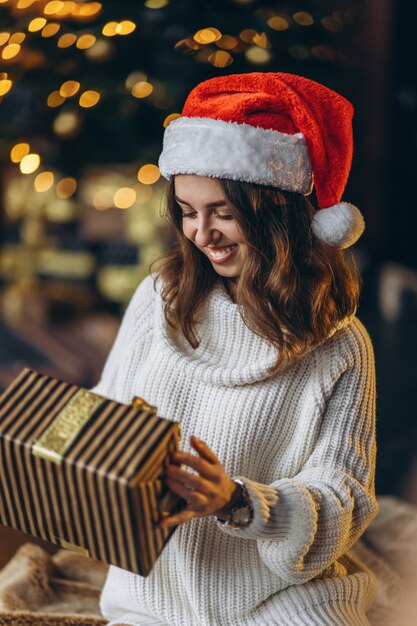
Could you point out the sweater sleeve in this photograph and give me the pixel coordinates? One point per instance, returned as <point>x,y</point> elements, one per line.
<point>303,524</point>
<point>130,346</point>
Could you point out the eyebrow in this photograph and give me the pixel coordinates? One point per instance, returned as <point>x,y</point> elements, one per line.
<point>210,204</point>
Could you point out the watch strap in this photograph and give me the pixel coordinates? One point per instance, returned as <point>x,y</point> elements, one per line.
<point>240,501</point>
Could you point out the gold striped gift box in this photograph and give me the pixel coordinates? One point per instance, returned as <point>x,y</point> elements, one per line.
<point>85,472</point>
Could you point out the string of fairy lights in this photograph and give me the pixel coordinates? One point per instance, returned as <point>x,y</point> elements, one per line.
<point>81,26</point>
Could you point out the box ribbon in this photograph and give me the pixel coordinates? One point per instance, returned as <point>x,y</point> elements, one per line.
<point>67,425</point>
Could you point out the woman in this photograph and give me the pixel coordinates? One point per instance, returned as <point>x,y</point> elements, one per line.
<point>248,337</point>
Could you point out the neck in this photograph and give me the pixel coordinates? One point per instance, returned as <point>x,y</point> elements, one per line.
<point>230,284</point>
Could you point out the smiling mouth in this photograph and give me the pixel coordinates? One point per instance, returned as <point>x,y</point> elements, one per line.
<point>221,253</point>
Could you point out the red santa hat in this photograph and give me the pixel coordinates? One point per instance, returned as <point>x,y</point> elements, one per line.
<point>273,129</point>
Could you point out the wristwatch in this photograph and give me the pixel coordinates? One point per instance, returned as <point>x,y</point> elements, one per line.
<point>240,509</point>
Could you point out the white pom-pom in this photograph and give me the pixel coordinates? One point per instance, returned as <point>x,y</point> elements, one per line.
<point>340,225</point>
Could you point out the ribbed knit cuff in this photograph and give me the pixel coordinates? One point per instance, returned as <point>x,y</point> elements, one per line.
<point>285,510</point>
<point>262,499</point>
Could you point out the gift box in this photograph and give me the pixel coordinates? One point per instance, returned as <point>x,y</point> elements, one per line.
<point>85,472</point>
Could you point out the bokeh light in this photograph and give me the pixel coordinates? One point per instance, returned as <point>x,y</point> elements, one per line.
<point>67,124</point>
<point>30,163</point>
<point>207,35</point>
<point>141,89</point>
<point>170,118</point>
<point>332,24</point>
<point>227,42</point>
<point>89,98</point>
<point>109,29</point>
<point>148,174</point>
<point>220,58</point>
<point>257,55</point>
<point>85,41</point>
<point>87,9</point>
<point>53,7</point>
<point>247,35</point>
<point>5,86</point>
<point>23,4</point>
<point>69,88</point>
<point>278,23</point>
<point>261,40</point>
<point>50,30</point>
<point>67,9</point>
<point>302,18</point>
<point>55,99</point>
<point>124,198</point>
<point>66,188</point>
<point>43,181</point>
<point>103,199</point>
<point>67,40</point>
<point>19,151</point>
<point>156,4</point>
<point>17,38</point>
<point>10,51</point>
<point>125,27</point>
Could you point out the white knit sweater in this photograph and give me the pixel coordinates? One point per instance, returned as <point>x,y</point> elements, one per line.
<point>304,442</point>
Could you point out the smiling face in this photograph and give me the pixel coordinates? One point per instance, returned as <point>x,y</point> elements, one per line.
<point>209,224</point>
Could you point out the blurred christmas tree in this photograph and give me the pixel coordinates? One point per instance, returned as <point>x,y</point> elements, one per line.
<point>86,89</point>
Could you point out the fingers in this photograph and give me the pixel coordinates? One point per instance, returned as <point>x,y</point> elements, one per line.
<point>196,505</point>
<point>179,518</point>
<point>192,480</point>
<point>203,450</point>
<point>195,499</point>
<point>206,463</point>
<point>203,489</point>
<point>202,467</point>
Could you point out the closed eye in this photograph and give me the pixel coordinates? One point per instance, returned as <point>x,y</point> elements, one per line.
<point>224,216</point>
<point>220,216</point>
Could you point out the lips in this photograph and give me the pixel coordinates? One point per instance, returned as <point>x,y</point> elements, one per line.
<point>220,254</point>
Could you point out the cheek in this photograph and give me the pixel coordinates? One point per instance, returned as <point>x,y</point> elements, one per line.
<point>235,234</point>
<point>231,231</point>
<point>187,230</point>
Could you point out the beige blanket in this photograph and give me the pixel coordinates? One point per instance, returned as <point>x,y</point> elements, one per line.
<point>39,590</point>
<point>63,590</point>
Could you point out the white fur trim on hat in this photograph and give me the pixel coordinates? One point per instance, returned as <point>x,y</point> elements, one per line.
<point>340,225</point>
<point>209,147</point>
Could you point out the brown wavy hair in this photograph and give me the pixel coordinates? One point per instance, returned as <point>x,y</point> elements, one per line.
<point>293,288</point>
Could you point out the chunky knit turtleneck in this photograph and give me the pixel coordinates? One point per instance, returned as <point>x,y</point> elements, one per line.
<point>304,443</point>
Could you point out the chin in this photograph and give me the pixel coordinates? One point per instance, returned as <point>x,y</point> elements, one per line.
<point>226,272</point>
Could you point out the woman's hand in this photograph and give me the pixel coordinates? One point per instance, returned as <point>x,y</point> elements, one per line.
<point>206,492</point>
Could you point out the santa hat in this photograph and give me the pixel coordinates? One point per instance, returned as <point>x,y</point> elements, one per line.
<point>273,129</point>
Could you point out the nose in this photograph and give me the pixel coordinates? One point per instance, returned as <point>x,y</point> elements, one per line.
<point>205,233</point>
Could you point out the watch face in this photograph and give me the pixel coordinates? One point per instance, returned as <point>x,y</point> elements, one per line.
<point>241,516</point>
